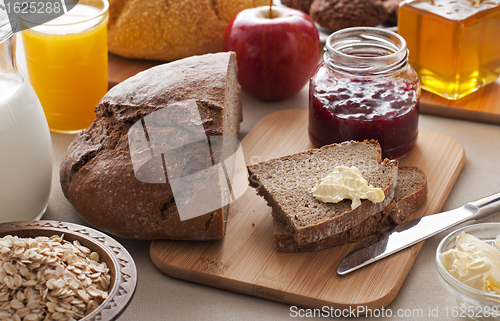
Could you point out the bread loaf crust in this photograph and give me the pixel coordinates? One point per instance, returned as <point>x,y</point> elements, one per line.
<point>285,242</point>
<point>96,173</point>
<point>170,29</point>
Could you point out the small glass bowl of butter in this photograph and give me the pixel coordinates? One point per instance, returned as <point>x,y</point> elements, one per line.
<point>468,264</point>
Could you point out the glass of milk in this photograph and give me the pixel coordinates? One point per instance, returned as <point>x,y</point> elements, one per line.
<point>25,143</point>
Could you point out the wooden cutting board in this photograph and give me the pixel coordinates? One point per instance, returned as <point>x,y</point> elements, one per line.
<point>245,260</point>
<point>483,105</point>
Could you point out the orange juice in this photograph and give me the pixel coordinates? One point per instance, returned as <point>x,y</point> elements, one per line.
<point>67,62</point>
<point>454,44</point>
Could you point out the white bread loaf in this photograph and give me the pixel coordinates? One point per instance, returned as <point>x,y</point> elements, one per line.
<point>170,30</point>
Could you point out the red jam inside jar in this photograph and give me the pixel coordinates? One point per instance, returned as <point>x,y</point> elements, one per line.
<point>384,107</point>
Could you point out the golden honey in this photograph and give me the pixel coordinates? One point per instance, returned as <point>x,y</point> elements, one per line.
<point>454,44</point>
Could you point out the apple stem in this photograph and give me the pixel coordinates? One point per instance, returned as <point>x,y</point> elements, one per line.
<point>270,9</point>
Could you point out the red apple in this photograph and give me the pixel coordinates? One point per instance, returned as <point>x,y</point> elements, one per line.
<point>276,56</point>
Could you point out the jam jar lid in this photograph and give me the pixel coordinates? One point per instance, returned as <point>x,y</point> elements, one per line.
<point>366,51</point>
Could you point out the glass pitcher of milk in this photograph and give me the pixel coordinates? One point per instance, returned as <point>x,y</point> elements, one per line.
<point>25,143</point>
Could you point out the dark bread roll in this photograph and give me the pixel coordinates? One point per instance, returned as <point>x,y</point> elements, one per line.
<point>338,14</point>
<point>303,5</point>
<point>97,175</point>
<point>392,7</point>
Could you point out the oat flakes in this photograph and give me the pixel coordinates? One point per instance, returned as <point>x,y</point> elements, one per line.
<point>46,278</point>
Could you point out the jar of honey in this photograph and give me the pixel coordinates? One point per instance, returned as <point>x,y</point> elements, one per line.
<point>454,44</point>
<point>365,89</point>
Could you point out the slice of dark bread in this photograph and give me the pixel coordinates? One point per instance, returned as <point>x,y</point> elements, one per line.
<point>286,184</point>
<point>284,239</point>
<point>409,195</point>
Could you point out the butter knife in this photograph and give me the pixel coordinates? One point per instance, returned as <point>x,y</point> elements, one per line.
<point>409,233</point>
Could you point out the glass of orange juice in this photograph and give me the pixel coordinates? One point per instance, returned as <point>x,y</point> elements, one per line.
<point>67,60</point>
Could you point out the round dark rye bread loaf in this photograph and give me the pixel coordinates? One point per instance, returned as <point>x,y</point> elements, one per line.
<point>97,175</point>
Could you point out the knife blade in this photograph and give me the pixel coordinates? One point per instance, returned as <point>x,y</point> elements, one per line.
<point>409,233</point>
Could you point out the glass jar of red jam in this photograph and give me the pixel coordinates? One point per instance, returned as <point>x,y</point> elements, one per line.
<point>365,89</point>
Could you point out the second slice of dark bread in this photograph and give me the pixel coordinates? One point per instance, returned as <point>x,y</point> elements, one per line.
<point>410,193</point>
<point>286,184</point>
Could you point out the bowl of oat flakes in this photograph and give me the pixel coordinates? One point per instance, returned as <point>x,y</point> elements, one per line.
<point>52,270</point>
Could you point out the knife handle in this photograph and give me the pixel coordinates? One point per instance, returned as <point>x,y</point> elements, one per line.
<point>486,206</point>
